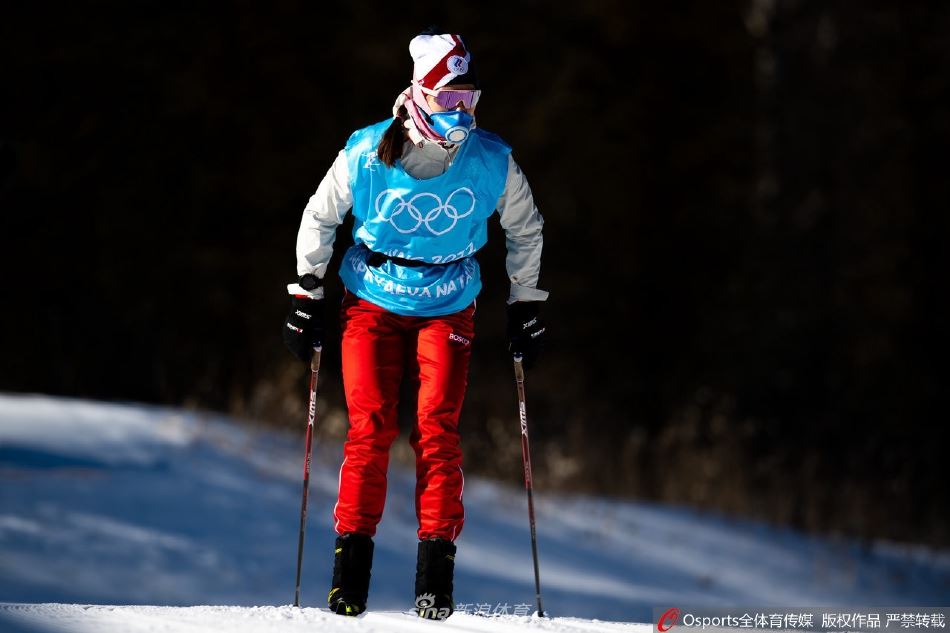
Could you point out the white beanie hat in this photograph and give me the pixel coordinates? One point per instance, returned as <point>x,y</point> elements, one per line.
<point>441,60</point>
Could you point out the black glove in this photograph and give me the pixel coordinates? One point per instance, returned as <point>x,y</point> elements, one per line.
<point>525,331</point>
<point>303,328</point>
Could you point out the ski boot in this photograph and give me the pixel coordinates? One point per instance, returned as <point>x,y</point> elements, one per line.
<point>352,562</point>
<point>434,569</point>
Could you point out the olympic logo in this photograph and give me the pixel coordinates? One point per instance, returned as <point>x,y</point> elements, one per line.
<point>425,208</point>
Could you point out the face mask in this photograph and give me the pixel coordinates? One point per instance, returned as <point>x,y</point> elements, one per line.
<point>453,125</point>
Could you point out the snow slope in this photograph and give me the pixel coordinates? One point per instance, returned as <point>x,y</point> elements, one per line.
<point>133,505</point>
<point>47,618</point>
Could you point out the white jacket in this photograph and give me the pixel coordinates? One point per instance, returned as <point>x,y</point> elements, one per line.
<point>516,209</point>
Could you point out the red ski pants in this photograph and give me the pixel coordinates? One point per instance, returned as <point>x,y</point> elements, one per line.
<point>377,347</point>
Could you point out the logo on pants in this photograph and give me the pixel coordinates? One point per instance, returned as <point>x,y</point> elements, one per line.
<point>458,338</point>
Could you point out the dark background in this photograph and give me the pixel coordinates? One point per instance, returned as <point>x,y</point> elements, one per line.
<point>746,207</point>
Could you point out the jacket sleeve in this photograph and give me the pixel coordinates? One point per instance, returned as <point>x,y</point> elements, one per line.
<point>522,223</point>
<point>323,214</point>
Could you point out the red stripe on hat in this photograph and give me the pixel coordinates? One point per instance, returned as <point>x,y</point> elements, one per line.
<point>440,70</point>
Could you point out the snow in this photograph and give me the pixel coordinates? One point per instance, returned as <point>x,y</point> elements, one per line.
<point>109,509</point>
<point>285,619</point>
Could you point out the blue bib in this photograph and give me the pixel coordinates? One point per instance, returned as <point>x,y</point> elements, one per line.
<point>439,221</point>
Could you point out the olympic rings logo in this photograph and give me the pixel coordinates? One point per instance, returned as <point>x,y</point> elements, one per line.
<point>442,217</point>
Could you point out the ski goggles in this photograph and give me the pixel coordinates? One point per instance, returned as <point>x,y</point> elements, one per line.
<point>449,99</point>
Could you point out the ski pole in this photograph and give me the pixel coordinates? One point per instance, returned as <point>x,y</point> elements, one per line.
<point>312,413</point>
<point>526,460</point>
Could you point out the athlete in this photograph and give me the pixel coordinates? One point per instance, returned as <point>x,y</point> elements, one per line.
<point>422,186</point>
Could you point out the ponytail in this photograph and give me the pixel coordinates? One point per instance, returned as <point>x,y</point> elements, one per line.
<point>389,149</point>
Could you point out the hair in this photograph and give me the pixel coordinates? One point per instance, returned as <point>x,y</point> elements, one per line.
<point>390,146</point>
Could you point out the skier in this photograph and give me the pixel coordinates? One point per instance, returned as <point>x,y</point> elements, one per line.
<point>422,186</point>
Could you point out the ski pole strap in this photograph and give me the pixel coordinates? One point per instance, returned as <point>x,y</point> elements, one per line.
<point>377,259</point>
<point>519,369</point>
